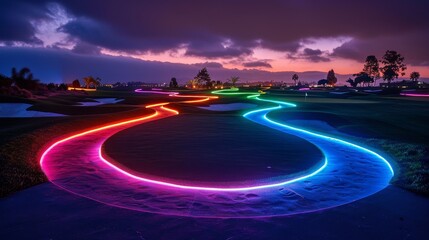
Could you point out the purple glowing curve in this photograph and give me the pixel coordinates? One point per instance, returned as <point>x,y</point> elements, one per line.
<point>204,188</point>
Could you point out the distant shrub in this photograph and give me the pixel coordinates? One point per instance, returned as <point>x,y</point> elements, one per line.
<point>391,91</point>
<point>51,87</point>
<point>62,87</point>
<point>76,83</point>
<point>5,81</point>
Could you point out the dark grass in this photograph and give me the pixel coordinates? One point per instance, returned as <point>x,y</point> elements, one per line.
<point>384,117</point>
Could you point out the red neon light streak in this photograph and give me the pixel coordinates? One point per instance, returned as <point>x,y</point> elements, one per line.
<point>170,110</point>
<point>156,105</point>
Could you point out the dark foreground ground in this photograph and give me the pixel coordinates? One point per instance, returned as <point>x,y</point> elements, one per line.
<point>45,212</point>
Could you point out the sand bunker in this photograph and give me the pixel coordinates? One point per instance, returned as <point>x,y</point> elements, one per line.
<point>100,101</point>
<point>19,110</point>
<point>229,106</point>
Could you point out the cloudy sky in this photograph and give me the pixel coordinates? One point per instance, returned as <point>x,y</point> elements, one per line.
<point>67,39</point>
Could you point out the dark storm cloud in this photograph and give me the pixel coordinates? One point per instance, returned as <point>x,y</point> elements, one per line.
<point>216,50</point>
<point>15,21</point>
<point>139,25</point>
<point>314,55</point>
<point>257,64</point>
<point>208,65</point>
<point>412,46</point>
<point>85,48</point>
<point>292,46</point>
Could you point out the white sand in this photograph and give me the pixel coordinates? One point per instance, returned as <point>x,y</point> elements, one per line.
<point>372,91</point>
<point>19,110</point>
<point>100,101</point>
<point>229,106</point>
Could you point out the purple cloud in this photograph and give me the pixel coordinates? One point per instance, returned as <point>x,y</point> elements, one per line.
<point>156,26</point>
<point>257,64</point>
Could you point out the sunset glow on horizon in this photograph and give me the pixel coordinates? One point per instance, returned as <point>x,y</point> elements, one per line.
<point>269,38</point>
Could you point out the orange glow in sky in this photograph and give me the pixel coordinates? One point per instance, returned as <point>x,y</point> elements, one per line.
<point>278,60</point>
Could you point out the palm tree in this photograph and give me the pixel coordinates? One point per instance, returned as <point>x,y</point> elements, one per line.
<point>193,82</point>
<point>91,80</point>
<point>87,81</point>
<point>24,79</point>
<point>295,78</point>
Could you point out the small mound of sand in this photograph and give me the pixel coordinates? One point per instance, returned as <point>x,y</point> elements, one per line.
<point>19,110</point>
<point>100,101</point>
<point>229,106</point>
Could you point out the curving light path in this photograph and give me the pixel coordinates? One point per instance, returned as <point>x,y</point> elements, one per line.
<point>350,172</point>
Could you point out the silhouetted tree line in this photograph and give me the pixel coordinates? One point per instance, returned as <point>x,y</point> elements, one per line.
<point>330,80</point>
<point>203,80</point>
<point>173,83</point>
<point>22,83</point>
<point>392,67</point>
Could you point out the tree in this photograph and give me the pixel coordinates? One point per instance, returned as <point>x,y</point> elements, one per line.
<point>5,81</point>
<point>362,78</point>
<point>193,82</point>
<point>295,78</point>
<point>203,76</point>
<point>322,82</point>
<point>76,83</point>
<point>371,67</point>
<point>393,66</point>
<point>173,83</point>
<point>24,79</point>
<point>234,80</point>
<point>414,76</point>
<point>51,87</point>
<point>87,81</point>
<point>91,81</point>
<point>62,87</point>
<point>352,83</point>
<point>331,78</point>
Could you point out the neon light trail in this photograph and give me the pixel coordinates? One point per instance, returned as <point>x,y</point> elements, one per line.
<point>415,94</point>
<point>350,172</point>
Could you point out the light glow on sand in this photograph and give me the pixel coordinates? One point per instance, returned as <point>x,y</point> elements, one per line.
<point>82,89</point>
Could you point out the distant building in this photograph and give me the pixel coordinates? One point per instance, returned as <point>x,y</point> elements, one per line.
<point>136,84</point>
<point>405,84</point>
